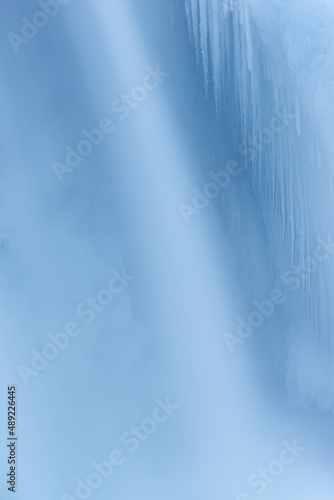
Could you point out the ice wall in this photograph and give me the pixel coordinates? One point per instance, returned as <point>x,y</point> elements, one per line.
<point>270,68</point>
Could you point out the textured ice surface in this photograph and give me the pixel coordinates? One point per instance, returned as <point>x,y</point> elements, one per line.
<point>264,55</point>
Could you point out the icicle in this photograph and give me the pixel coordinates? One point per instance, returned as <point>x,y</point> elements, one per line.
<point>216,55</point>
<point>194,24</point>
<point>203,15</point>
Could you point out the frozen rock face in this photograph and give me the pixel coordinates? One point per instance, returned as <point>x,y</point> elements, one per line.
<point>270,66</point>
